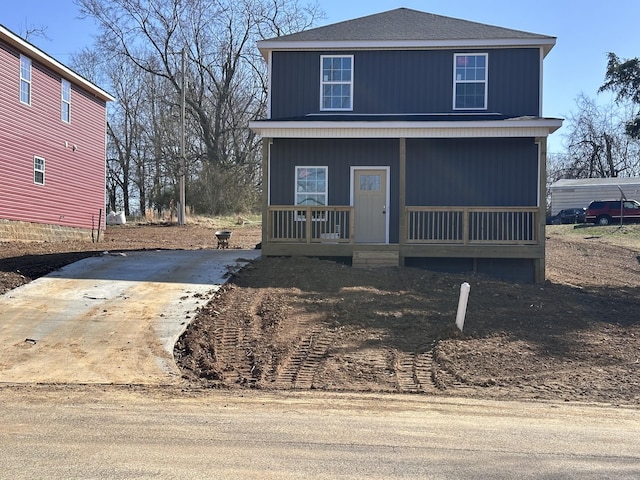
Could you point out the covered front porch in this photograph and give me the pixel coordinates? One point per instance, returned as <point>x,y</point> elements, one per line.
<point>469,195</point>
<point>425,232</point>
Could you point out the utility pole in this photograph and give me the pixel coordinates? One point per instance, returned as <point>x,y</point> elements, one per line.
<point>182,213</point>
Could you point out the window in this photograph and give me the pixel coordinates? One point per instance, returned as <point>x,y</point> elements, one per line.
<point>336,83</point>
<point>470,81</point>
<point>370,183</point>
<point>25,80</point>
<point>38,170</point>
<point>311,186</point>
<point>66,101</point>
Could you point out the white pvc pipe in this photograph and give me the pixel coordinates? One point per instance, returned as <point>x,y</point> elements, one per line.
<point>462,304</point>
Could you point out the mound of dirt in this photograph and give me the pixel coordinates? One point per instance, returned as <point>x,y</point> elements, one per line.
<point>287,323</point>
<point>313,324</point>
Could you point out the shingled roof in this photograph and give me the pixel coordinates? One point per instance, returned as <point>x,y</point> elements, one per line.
<point>410,28</point>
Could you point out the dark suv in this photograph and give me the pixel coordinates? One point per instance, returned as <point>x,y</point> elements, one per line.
<point>568,215</point>
<point>604,212</point>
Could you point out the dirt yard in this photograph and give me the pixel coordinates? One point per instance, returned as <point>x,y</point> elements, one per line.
<point>311,324</point>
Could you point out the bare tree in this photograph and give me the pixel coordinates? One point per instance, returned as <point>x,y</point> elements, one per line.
<point>226,80</point>
<point>596,143</point>
<point>30,32</point>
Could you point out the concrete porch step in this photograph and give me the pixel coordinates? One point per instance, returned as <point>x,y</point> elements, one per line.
<point>374,258</point>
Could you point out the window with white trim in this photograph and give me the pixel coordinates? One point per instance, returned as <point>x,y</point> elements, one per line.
<point>38,170</point>
<point>470,81</point>
<point>66,101</point>
<point>336,82</point>
<point>311,186</point>
<point>25,80</point>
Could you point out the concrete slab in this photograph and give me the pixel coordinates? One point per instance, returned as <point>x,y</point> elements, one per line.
<point>109,319</point>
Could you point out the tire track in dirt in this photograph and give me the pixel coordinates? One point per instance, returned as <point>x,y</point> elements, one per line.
<point>414,371</point>
<point>405,369</point>
<point>232,351</point>
<point>299,369</point>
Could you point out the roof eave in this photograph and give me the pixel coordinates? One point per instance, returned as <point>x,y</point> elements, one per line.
<point>266,46</point>
<point>54,65</point>
<point>541,127</point>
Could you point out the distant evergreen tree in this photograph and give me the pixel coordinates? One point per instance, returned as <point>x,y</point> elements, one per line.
<point>623,78</point>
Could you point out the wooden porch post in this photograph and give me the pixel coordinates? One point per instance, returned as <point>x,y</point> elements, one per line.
<point>266,227</point>
<point>539,263</point>
<point>402,171</point>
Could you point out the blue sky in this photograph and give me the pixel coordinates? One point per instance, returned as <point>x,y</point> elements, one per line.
<point>576,64</point>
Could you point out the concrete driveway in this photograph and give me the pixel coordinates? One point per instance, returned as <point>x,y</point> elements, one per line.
<point>109,319</point>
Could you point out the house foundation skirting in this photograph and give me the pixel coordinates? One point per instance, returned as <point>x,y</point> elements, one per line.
<point>523,263</point>
<point>17,231</point>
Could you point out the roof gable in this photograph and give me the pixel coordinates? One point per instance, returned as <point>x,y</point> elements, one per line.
<point>54,65</point>
<point>406,28</point>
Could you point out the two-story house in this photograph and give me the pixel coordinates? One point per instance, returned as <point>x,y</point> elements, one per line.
<point>52,146</point>
<point>407,138</point>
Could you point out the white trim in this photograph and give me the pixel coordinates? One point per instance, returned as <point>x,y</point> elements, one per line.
<point>273,45</point>
<point>521,127</point>
<point>36,54</point>
<point>36,170</point>
<point>269,63</point>
<point>323,82</point>
<point>387,169</point>
<point>295,185</point>
<point>64,83</point>
<point>24,58</point>
<point>485,81</point>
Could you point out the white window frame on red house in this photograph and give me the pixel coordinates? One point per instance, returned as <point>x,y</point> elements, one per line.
<point>38,170</point>
<point>66,101</point>
<point>25,80</point>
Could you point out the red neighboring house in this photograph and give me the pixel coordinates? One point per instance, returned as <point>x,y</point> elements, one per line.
<point>52,146</point>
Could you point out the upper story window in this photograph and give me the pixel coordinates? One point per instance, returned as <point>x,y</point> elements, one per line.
<point>66,101</point>
<point>25,80</point>
<point>311,186</point>
<point>336,82</point>
<point>470,81</point>
<point>38,170</point>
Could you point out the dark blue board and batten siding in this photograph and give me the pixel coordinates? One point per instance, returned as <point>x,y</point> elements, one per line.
<point>472,172</point>
<point>406,82</point>
<point>339,155</point>
<point>489,172</point>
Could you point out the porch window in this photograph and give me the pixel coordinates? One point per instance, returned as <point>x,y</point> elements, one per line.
<point>25,80</point>
<point>311,186</point>
<point>470,81</point>
<point>336,82</point>
<point>38,170</point>
<point>66,101</point>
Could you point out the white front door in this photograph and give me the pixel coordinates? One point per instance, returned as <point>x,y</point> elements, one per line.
<point>370,200</point>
